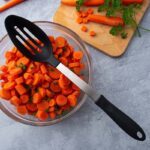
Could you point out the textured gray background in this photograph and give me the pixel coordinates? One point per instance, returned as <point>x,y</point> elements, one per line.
<point>125,81</point>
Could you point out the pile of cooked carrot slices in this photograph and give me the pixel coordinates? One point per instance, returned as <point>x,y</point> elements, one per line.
<point>39,89</point>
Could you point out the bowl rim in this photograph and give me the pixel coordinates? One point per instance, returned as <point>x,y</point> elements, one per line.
<point>48,123</point>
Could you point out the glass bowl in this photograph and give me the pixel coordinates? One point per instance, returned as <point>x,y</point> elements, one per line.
<point>54,29</point>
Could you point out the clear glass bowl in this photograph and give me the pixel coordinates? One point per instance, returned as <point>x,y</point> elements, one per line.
<point>54,29</point>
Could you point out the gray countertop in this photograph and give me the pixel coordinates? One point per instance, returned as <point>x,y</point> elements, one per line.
<point>125,81</point>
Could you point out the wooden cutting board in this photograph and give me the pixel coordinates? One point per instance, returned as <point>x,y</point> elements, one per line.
<point>103,41</point>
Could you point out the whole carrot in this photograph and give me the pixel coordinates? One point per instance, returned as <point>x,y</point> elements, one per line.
<point>10,4</point>
<point>86,3</point>
<point>111,21</point>
<point>99,2</point>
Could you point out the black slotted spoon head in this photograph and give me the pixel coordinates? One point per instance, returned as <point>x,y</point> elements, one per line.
<point>14,23</point>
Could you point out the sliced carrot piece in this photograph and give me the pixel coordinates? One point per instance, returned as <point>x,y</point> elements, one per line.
<point>49,93</point>
<point>64,60</point>
<point>84,14</point>
<point>13,92</point>
<point>19,54</point>
<point>20,89</point>
<point>27,76</point>
<point>92,33</point>
<point>84,28</point>
<point>19,80</point>
<point>36,98</point>
<point>31,68</point>
<point>9,85</point>
<point>23,60</point>
<point>77,70</point>
<point>31,107</point>
<point>22,109</point>
<point>47,78</point>
<point>41,115</point>
<point>60,42</point>
<point>54,86</point>
<point>11,64</point>
<point>29,81</point>
<point>90,11</point>
<point>79,20</point>
<point>24,98</point>
<point>75,64</point>
<point>54,73</point>
<point>16,71</point>
<point>37,78</point>
<point>78,55</point>
<point>59,52</point>
<point>61,100</point>
<point>14,50</point>
<point>52,103</point>
<point>5,94</point>
<point>15,101</point>
<point>43,105</point>
<point>43,69</point>
<point>52,109</point>
<point>59,112</point>
<point>72,100</point>
<point>52,115</point>
<point>4,68</point>
<point>42,91</point>
<point>67,91</point>
<point>9,56</point>
<point>45,84</point>
<point>66,52</point>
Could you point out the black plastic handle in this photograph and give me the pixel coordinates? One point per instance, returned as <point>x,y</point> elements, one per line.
<point>124,122</point>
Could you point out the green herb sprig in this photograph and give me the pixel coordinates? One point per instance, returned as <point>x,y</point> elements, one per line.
<point>79,3</point>
<point>113,7</point>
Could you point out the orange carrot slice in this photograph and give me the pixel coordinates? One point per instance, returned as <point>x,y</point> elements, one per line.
<point>42,115</point>
<point>54,86</point>
<point>61,100</point>
<point>43,105</point>
<point>22,109</point>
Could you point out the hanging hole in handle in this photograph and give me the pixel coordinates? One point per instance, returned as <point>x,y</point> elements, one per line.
<point>139,134</point>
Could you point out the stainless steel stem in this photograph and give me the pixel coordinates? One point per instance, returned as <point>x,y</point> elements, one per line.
<point>79,82</point>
